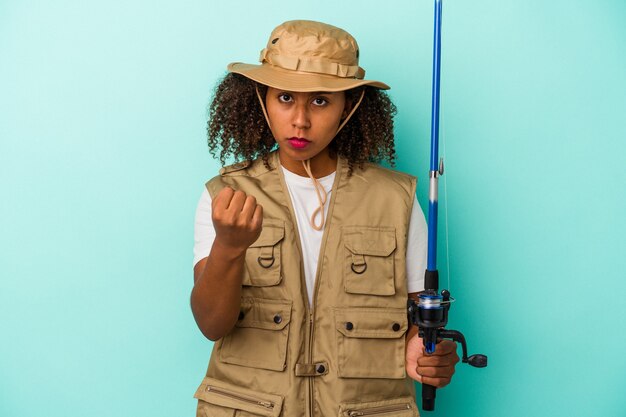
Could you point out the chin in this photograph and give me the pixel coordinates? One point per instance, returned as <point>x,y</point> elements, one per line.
<point>298,154</point>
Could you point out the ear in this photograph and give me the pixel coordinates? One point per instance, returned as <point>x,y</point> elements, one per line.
<point>347,108</point>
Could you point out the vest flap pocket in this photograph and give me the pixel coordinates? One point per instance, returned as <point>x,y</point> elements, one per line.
<point>264,314</point>
<point>371,336</point>
<point>263,258</point>
<point>371,322</point>
<point>235,397</point>
<point>259,338</point>
<point>374,241</point>
<point>397,407</point>
<point>271,234</point>
<point>369,260</point>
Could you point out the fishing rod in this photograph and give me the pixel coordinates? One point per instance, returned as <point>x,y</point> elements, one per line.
<point>430,313</point>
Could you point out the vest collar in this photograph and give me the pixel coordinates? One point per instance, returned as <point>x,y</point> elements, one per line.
<point>341,170</point>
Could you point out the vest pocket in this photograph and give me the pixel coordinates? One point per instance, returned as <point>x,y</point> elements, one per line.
<point>259,338</point>
<point>263,266</point>
<point>369,260</point>
<point>370,342</point>
<point>398,407</point>
<point>220,399</point>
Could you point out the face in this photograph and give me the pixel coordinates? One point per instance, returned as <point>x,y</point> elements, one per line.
<point>303,124</point>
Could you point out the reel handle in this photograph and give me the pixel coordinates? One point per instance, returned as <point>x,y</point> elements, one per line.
<point>431,322</point>
<point>429,392</point>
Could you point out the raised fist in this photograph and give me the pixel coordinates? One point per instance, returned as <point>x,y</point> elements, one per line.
<point>237,219</point>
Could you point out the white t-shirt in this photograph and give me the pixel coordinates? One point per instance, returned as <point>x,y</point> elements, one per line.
<point>304,201</point>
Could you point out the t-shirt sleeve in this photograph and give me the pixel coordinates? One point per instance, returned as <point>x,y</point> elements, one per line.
<point>204,233</point>
<point>417,249</point>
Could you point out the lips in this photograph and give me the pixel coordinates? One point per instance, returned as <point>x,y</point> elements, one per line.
<point>298,143</point>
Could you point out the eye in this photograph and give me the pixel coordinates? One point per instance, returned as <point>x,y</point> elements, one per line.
<point>319,101</point>
<point>284,98</point>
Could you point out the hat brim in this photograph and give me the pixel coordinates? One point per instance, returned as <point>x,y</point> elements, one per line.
<point>299,81</point>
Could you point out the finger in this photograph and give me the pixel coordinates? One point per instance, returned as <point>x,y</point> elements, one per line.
<point>412,372</point>
<point>443,348</point>
<point>413,352</point>
<point>437,362</point>
<point>436,382</point>
<point>257,217</point>
<point>448,360</point>
<point>436,372</point>
<point>247,211</point>
<point>236,203</point>
<point>222,200</point>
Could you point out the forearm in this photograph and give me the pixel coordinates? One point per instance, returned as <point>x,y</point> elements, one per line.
<point>413,329</point>
<point>216,295</point>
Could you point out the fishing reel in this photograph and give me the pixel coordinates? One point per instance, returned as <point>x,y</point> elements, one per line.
<point>430,314</point>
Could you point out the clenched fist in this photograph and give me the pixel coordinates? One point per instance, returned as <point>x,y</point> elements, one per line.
<point>237,219</point>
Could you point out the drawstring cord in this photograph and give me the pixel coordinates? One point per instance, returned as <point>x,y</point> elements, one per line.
<point>322,196</point>
<point>258,94</point>
<point>358,103</point>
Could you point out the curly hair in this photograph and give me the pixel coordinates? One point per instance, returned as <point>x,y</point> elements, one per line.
<point>237,127</point>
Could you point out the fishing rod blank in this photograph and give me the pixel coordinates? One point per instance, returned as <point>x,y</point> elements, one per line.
<point>430,314</point>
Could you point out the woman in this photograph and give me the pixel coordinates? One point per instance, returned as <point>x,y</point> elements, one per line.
<point>307,251</point>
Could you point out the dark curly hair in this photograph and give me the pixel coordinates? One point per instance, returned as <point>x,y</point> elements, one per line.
<point>236,125</point>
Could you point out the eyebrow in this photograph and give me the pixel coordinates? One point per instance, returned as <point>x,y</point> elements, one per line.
<point>311,93</point>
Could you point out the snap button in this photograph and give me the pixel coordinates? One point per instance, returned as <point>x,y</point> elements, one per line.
<point>241,315</point>
<point>320,369</point>
<point>349,326</point>
<point>278,319</point>
<point>396,327</point>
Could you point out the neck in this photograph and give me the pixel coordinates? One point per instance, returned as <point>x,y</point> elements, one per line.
<point>321,165</point>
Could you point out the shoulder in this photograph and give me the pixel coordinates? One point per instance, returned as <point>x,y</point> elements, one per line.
<point>375,180</point>
<point>246,170</point>
<point>235,169</point>
<point>385,176</point>
<point>387,172</point>
<point>251,168</point>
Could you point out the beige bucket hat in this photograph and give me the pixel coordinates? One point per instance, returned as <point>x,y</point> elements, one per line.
<point>306,56</point>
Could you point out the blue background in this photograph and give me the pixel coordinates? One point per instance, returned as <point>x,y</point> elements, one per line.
<point>103,158</point>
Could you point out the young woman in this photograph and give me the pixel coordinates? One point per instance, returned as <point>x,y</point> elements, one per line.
<point>307,251</point>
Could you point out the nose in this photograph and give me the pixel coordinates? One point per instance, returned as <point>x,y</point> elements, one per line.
<point>300,117</point>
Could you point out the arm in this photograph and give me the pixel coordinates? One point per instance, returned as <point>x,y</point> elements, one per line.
<point>436,369</point>
<point>216,295</point>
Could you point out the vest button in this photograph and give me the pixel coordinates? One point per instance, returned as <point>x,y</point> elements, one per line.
<point>241,315</point>
<point>278,319</point>
<point>349,326</point>
<point>320,369</point>
<point>395,327</point>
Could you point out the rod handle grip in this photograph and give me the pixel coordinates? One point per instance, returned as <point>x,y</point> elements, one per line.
<point>428,397</point>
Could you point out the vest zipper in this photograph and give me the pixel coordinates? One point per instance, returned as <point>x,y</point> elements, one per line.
<point>378,410</point>
<point>235,396</point>
<point>310,308</point>
<point>311,380</point>
<point>318,274</point>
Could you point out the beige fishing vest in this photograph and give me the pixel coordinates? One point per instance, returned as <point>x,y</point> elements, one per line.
<point>345,354</point>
